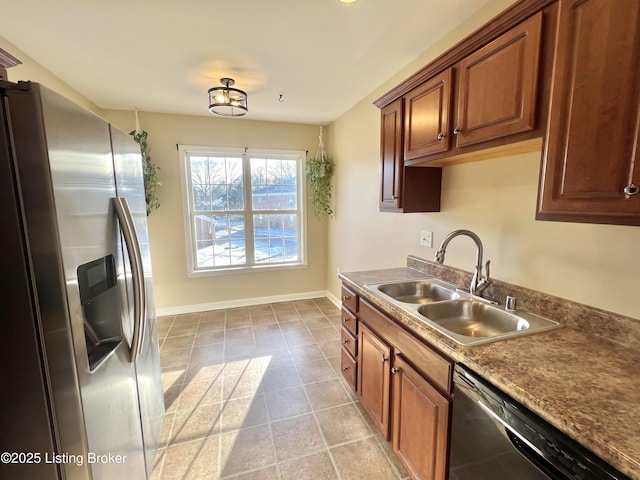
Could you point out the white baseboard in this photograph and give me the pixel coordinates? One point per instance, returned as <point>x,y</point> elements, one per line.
<point>245,302</point>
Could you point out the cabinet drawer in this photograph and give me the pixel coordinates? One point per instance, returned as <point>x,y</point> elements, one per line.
<point>349,321</point>
<point>349,342</point>
<point>349,368</point>
<point>436,367</point>
<point>349,299</point>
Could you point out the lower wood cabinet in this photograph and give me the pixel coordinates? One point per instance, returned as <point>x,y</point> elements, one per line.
<point>420,423</point>
<point>373,378</point>
<point>405,387</point>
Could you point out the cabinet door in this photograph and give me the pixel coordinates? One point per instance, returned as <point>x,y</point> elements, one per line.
<point>426,118</point>
<point>391,163</point>
<point>591,162</point>
<point>404,189</point>
<point>497,88</point>
<point>373,377</point>
<point>420,423</point>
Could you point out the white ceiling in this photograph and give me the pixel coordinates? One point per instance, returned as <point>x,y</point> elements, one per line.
<point>322,56</point>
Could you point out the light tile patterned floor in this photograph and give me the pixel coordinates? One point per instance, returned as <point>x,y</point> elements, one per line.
<point>256,393</point>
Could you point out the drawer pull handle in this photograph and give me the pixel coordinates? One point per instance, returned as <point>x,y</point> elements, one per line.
<point>345,297</point>
<point>394,370</point>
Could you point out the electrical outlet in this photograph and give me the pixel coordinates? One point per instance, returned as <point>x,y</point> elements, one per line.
<point>426,238</point>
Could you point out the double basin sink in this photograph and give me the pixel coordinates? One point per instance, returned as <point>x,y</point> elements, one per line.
<point>464,318</point>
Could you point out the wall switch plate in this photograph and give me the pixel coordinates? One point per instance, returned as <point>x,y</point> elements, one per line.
<point>426,238</point>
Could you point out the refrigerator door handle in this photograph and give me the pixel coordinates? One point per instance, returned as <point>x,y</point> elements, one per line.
<point>123,213</point>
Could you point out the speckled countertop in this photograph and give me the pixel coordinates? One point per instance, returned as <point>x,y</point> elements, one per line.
<point>583,382</point>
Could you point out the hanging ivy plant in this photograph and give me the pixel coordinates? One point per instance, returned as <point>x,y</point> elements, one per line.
<point>319,172</point>
<point>149,171</point>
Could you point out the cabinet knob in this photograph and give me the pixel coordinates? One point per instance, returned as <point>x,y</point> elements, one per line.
<point>345,341</point>
<point>631,189</point>
<point>457,130</point>
<point>441,136</point>
<point>345,297</point>
<point>394,197</point>
<point>394,370</point>
<point>345,368</point>
<point>345,319</point>
<point>383,360</point>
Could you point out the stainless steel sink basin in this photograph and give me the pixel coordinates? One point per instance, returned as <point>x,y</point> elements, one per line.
<point>473,319</point>
<point>464,318</point>
<point>417,291</point>
<point>472,322</point>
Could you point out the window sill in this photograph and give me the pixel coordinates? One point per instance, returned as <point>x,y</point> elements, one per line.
<point>244,269</point>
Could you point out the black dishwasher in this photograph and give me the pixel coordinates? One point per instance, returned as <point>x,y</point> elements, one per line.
<point>495,438</point>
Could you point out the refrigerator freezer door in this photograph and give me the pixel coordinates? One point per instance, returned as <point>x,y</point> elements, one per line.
<point>24,402</point>
<point>130,185</point>
<point>83,184</point>
<point>33,184</point>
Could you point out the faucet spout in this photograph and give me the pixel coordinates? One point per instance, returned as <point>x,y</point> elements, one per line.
<point>479,281</point>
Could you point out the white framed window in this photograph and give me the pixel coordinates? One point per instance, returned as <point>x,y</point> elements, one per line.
<point>244,208</point>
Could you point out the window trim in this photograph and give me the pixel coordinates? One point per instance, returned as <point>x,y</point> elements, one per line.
<point>188,214</point>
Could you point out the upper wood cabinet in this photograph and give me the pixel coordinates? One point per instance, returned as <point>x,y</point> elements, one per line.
<point>495,97</point>
<point>403,189</point>
<point>498,84</point>
<point>488,95</point>
<point>391,162</point>
<point>591,164</point>
<point>426,120</point>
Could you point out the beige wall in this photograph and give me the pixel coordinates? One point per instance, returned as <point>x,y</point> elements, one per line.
<point>594,264</point>
<point>33,71</point>
<point>175,291</point>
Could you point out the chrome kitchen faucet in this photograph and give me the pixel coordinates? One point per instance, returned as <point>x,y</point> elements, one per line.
<point>479,282</point>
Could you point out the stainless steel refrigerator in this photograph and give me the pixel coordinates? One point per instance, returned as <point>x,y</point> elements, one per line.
<point>81,394</point>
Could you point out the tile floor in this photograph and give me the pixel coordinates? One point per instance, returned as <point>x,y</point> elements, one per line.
<point>256,393</point>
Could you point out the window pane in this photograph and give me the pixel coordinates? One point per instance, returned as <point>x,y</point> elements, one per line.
<point>204,240</point>
<point>216,183</point>
<point>229,246</point>
<point>235,197</point>
<point>273,184</point>
<point>220,240</point>
<point>274,239</point>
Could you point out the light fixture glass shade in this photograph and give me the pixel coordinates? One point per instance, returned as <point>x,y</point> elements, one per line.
<point>226,101</point>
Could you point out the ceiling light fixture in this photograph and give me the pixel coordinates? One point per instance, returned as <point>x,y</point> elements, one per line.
<point>226,101</point>
<point>348,1</point>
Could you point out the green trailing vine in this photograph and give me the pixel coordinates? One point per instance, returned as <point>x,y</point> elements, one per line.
<point>319,171</point>
<point>149,171</point>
